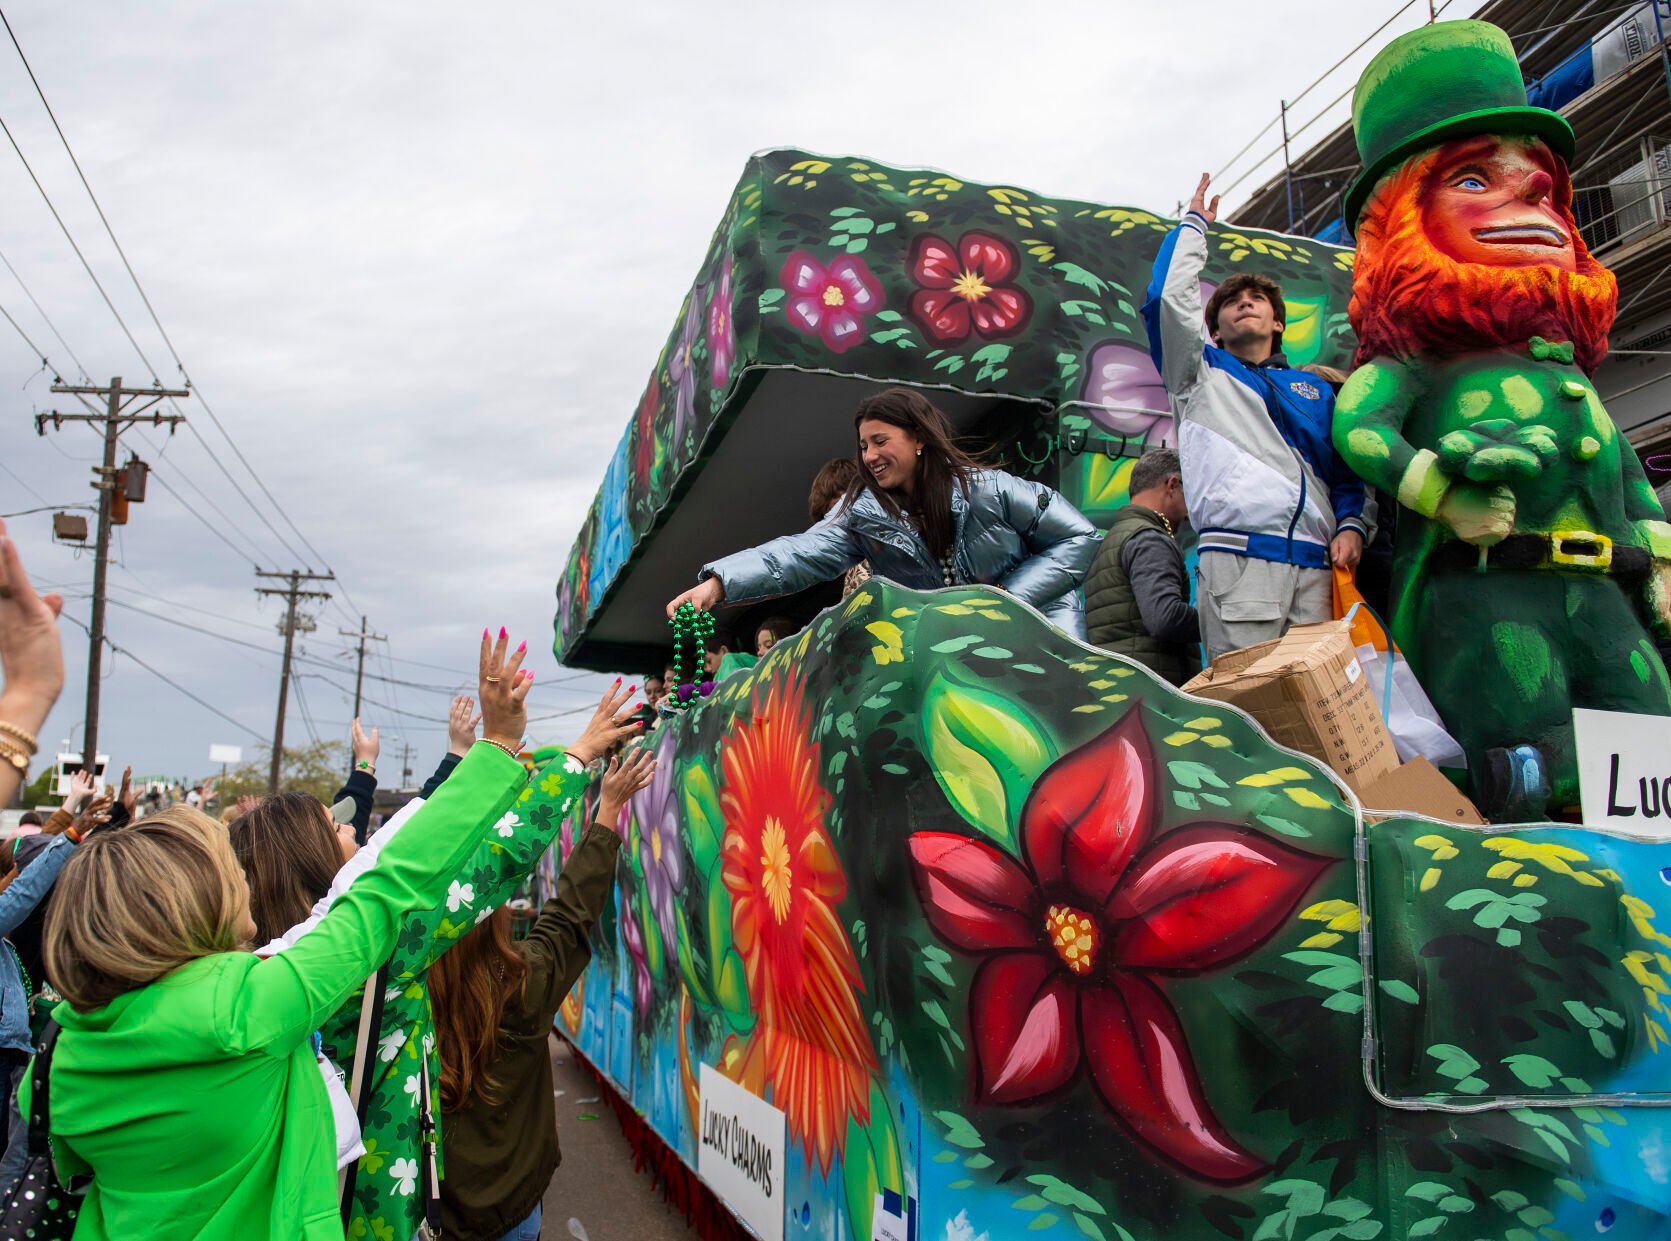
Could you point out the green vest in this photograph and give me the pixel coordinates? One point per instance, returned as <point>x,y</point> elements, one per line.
<point>1111,613</point>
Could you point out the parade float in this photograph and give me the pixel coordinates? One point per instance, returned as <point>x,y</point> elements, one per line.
<point>938,923</point>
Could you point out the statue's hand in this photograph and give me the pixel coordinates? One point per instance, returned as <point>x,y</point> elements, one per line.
<point>1659,595</point>
<point>1497,450</point>
<point>1482,516</point>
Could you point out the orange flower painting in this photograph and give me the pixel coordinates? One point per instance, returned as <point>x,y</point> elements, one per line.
<point>811,1046</point>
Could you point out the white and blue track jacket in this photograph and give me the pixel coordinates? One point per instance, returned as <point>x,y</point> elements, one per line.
<point>1261,476</point>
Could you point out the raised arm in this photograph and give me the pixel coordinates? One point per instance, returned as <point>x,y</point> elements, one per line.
<point>1060,541</point>
<point>518,841</point>
<point>1172,311</point>
<point>31,666</point>
<point>557,946</point>
<point>33,882</point>
<point>779,567</point>
<point>284,997</point>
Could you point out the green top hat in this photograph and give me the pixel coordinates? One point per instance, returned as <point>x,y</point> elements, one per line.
<point>1446,80</point>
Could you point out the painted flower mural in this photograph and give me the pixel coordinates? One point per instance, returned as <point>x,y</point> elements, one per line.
<point>1076,935</point>
<point>722,328</point>
<point>832,302</point>
<point>963,288</point>
<point>661,853</point>
<point>681,368</point>
<point>811,1045</point>
<point>614,535</point>
<point>633,934</point>
<point>644,436</point>
<point>1126,395</point>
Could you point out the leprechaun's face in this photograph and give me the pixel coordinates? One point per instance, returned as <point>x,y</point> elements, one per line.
<point>1491,200</point>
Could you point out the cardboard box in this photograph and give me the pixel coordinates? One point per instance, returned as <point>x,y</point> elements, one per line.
<point>1307,689</point>
<point>1418,787</point>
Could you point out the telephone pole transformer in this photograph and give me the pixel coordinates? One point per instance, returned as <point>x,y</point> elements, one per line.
<point>123,408</point>
<point>290,594</point>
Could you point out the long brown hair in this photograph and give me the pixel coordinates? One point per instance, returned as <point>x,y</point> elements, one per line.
<point>469,988</point>
<point>289,856</point>
<point>942,465</point>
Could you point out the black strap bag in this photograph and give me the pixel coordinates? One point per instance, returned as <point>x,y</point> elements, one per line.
<point>40,1207</point>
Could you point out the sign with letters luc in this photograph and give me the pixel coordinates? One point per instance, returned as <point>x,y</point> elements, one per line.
<point>1624,770</point>
<point>741,1152</point>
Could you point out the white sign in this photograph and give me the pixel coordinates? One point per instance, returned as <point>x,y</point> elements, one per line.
<point>226,754</point>
<point>741,1152</point>
<point>886,1225</point>
<point>1624,770</point>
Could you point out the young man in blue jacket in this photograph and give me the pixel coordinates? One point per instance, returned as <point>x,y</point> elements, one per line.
<point>1272,502</point>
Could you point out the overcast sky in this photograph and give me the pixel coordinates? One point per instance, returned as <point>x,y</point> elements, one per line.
<point>420,258</point>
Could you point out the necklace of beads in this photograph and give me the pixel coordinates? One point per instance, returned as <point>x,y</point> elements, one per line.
<point>28,986</point>
<point>691,627</point>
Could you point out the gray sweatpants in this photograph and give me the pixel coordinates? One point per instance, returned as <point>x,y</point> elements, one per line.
<point>1242,601</point>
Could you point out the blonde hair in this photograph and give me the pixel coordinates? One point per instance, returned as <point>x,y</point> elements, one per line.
<point>135,904</point>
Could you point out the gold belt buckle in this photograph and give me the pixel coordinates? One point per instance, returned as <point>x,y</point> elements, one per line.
<point>1600,557</point>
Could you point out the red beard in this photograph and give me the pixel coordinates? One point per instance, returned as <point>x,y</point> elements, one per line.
<point>1409,298</point>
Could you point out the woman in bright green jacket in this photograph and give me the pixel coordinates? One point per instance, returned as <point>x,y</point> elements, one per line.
<point>184,1079</point>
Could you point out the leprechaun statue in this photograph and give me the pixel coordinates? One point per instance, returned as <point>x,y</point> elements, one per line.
<point>1532,555</point>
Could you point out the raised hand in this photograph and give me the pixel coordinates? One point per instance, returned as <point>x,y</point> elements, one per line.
<point>129,796</point>
<point>503,691</point>
<point>365,746</point>
<point>625,776</point>
<point>82,786</point>
<point>614,720</point>
<point>461,725</point>
<point>31,654</point>
<point>96,815</point>
<point>705,595</point>
<point>1199,204</point>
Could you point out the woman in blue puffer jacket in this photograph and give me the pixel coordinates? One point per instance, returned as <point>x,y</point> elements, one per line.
<point>925,514</point>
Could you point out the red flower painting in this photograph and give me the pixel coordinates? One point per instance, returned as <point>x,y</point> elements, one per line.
<point>1078,934</point>
<point>964,288</point>
<point>644,433</point>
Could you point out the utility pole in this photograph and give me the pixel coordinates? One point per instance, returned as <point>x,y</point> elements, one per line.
<point>123,408</point>
<point>406,748</point>
<point>360,668</point>
<point>290,593</point>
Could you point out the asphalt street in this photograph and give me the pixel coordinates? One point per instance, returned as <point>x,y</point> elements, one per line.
<point>596,1195</point>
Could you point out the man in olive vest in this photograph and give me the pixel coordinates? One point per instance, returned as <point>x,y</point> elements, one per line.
<point>1137,593</point>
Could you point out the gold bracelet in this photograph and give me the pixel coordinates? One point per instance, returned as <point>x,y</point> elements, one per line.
<point>29,740</point>
<point>14,754</point>
<point>501,746</point>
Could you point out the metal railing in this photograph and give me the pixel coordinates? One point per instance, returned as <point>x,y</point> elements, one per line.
<point>1625,196</point>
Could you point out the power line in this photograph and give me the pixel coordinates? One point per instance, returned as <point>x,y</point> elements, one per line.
<point>155,319</point>
<point>86,266</point>
<point>213,529</point>
<point>51,326</point>
<point>302,706</point>
<point>24,485</point>
<point>170,682</point>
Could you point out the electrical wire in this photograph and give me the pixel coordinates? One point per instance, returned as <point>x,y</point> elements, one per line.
<point>302,707</point>
<point>24,485</point>
<point>40,310</point>
<point>170,682</point>
<point>155,319</point>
